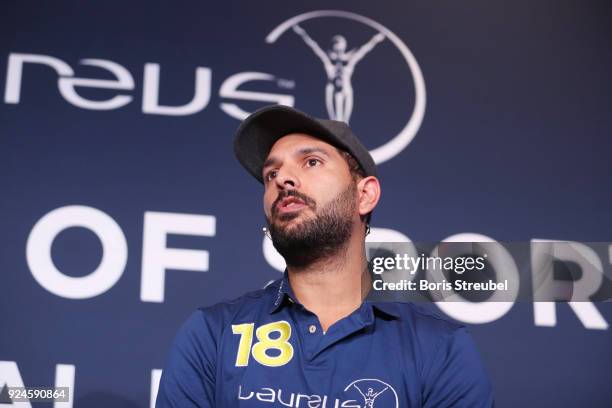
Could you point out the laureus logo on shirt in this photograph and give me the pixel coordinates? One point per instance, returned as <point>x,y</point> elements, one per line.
<point>363,393</point>
<point>340,61</point>
<point>374,392</point>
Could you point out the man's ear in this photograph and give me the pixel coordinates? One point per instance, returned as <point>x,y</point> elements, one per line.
<point>369,194</point>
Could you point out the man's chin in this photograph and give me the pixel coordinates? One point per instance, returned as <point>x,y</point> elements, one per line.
<point>287,223</point>
<point>288,218</point>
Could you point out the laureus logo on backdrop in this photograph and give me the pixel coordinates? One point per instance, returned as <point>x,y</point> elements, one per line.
<point>339,62</point>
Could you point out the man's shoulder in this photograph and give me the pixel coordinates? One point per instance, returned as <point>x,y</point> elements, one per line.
<point>426,313</point>
<point>242,307</point>
<point>424,321</point>
<point>450,365</point>
<point>437,341</point>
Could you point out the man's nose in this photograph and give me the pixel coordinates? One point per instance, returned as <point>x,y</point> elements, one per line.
<point>287,180</point>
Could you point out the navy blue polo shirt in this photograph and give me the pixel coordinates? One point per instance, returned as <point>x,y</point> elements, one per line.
<point>265,349</point>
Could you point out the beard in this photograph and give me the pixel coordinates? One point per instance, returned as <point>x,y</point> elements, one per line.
<point>313,238</point>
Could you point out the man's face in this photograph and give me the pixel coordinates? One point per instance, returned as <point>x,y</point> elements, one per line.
<point>310,198</point>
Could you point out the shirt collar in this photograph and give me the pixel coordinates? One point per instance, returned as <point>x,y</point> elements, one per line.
<point>283,293</point>
<point>388,308</point>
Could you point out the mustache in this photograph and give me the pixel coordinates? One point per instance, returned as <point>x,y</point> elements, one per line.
<point>291,193</point>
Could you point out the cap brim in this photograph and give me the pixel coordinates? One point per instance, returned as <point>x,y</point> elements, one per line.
<point>258,133</point>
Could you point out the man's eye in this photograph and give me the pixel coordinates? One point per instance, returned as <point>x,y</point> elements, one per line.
<point>270,175</point>
<point>312,162</point>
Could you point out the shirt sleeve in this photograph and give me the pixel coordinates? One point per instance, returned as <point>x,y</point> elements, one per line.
<point>188,379</point>
<point>456,376</point>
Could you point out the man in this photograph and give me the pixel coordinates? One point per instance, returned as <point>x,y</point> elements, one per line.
<point>313,338</point>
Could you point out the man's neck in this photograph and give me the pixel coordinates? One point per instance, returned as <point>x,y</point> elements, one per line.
<point>334,287</point>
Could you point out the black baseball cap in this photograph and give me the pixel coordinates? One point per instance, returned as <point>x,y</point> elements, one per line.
<point>260,130</point>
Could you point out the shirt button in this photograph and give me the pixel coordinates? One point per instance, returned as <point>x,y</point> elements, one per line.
<point>312,328</point>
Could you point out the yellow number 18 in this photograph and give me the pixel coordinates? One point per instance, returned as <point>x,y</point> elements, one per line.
<point>259,349</point>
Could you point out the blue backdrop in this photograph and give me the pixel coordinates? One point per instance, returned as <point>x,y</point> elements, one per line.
<point>116,131</point>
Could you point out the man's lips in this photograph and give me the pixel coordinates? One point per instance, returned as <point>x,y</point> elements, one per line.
<point>290,204</point>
